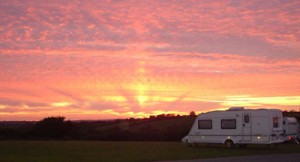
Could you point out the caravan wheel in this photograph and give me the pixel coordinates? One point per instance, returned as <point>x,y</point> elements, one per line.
<point>229,144</point>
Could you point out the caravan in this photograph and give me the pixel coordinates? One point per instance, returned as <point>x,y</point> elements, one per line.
<point>237,126</point>
<point>290,128</point>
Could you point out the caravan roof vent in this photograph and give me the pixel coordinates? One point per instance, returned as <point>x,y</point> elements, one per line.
<point>235,108</point>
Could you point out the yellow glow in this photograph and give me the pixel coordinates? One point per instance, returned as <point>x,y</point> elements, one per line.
<point>141,70</point>
<point>114,98</point>
<point>136,114</point>
<point>141,93</point>
<point>220,109</point>
<point>2,106</point>
<point>142,99</point>
<point>16,113</point>
<point>61,104</point>
<point>158,112</point>
<point>25,106</point>
<point>258,101</point>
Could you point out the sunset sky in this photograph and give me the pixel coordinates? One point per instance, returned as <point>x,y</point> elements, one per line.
<point>134,58</point>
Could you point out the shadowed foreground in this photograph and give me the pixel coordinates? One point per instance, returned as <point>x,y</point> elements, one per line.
<point>123,151</point>
<point>260,158</point>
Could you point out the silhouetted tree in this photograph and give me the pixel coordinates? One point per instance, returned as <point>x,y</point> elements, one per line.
<point>192,113</point>
<point>53,127</point>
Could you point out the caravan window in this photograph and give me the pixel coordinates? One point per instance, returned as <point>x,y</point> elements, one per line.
<point>228,123</point>
<point>246,118</point>
<point>205,124</point>
<point>275,122</point>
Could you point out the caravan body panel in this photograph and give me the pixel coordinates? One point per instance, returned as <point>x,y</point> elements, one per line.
<point>241,126</point>
<point>290,128</point>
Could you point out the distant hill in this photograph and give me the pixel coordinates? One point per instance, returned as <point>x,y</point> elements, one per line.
<point>164,127</point>
<point>155,128</point>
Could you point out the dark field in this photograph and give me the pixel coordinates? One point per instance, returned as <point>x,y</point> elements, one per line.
<point>124,151</point>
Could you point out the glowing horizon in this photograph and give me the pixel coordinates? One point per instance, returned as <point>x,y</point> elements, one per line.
<point>122,59</point>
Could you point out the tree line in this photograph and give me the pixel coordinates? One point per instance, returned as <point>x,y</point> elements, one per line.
<point>164,127</point>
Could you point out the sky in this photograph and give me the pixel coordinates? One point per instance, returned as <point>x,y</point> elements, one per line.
<point>108,59</point>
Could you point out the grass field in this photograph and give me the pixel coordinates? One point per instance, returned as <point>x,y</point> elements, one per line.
<point>73,151</point>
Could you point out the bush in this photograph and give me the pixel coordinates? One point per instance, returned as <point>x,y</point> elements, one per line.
<point>53,128</point>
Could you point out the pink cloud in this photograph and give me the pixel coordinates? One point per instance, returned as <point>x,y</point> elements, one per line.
<point>58,25</point>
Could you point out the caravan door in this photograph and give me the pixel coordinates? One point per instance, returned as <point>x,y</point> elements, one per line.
<point>247,130</point>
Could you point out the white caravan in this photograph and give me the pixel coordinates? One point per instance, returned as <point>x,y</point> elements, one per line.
<point>290,128</point>
<point>237,126</point>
